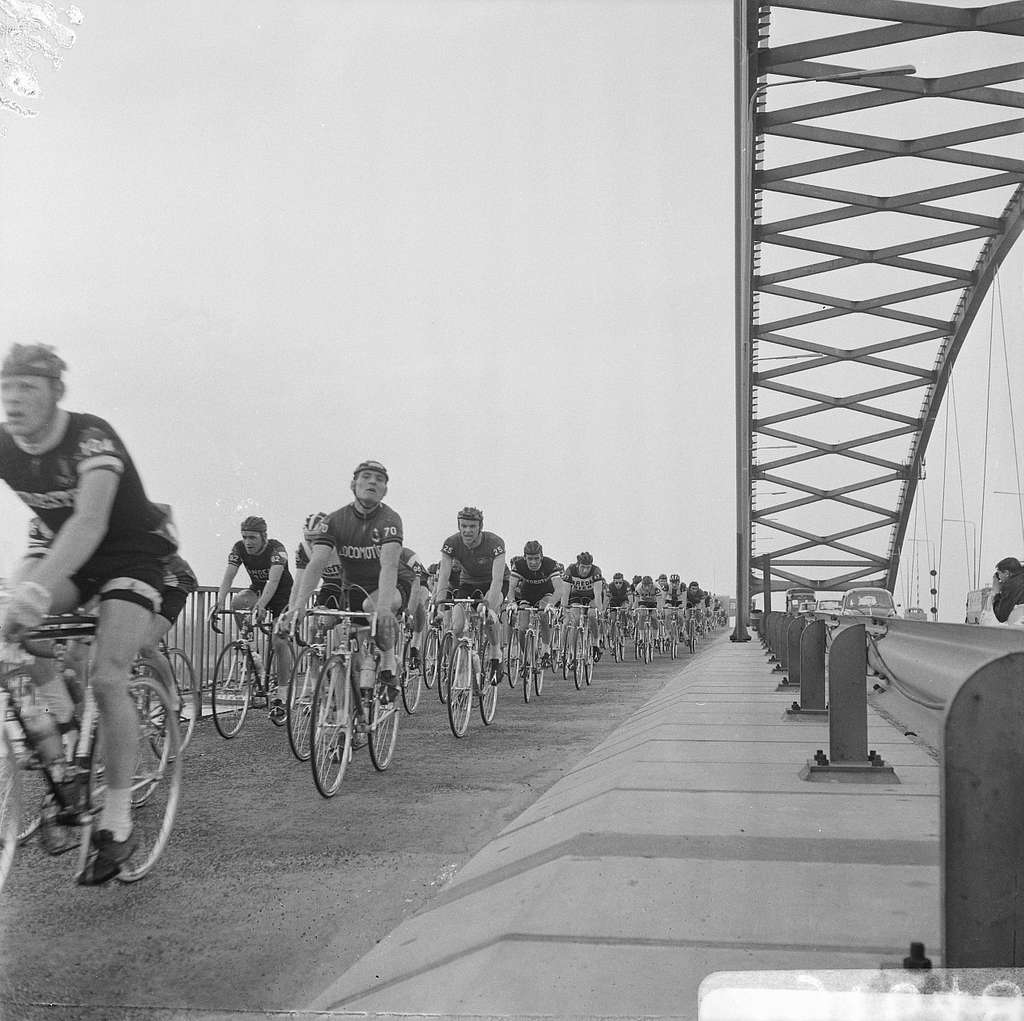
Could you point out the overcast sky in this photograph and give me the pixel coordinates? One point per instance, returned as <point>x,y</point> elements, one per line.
<point>489,244</point>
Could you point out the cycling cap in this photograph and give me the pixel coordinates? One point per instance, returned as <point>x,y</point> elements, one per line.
<point>316,524</point>
<point>584,558</point>
<point>254,524</point>
<point>675,577</point>
<point>371,466</point>
<point>471,514</point>
<point>660,576</point>
<point>33,360</point>
<point>533,549</point>
<point>618,576</point>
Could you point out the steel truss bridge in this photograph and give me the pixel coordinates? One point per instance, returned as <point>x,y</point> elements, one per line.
<point>879,186</point>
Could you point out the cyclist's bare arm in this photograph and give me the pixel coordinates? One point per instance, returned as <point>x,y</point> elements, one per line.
<point>493,596</point>
<point>311,574</point>
<point>293,599</point>
<point>387,583</point>
<point>225,584</point>
<point>444,570</point>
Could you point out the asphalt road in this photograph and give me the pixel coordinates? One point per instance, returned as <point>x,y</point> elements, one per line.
<point>267,891</point>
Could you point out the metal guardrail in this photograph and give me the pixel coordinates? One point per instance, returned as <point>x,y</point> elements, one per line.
<point>970,680</point>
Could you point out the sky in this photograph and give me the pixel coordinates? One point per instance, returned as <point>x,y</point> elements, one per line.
<point>489,244</point>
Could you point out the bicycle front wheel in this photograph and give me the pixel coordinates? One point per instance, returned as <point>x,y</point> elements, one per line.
<point>301,688</point>
<point>513,657</point>
<point>32,782</point>
<point>529,653</point>
<point>10,805</point>
<point>156,777</point>
<point>578,656</point>
<point>489,692</point>
<point>383,732</point>
<point>232,690</point>
<point>460,695</point>
<point>445,661</point>
<point>331,726</point>
<point>190,698</point>
<point>431,657</point>
<point>412,678</point>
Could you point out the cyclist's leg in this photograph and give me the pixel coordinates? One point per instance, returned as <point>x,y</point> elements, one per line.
<point>545,623</point>
<point>386,636</point>
<point>593,629</point>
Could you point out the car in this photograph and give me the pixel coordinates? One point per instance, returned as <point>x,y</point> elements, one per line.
<point>831,606</point>
<point>915,613</point>
<point>868,602</point>
<point>807,606</point>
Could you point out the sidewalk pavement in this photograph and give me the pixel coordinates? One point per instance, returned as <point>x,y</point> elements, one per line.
<point>684,844</point>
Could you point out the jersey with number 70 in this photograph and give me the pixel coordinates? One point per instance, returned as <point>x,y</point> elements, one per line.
<point>357,538</point>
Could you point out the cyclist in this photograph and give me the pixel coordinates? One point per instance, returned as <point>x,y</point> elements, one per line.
<point>366,536</point>
<point>270,589</point>
<point>585,587</point>
<point>411,568</point>
<point>696,596</point>
<point>331,590</point>
<point>109,540</point>
<point>536,580</point>
<point>620,598</point>
<point>482,558</point>
<point>649,594</point>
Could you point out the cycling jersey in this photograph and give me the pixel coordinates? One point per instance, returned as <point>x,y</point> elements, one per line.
<point>258,566</point>
<point>331,574</point>
<point>676,595</point>
<point>533,585</point>
<point>411,567</point>
<point>477,563</point>
<point>39,538</point>
<point>694,596</point>
<point>48,482</point>
<point>648,594</point>
<point>582,588</point>
<point>357,537</point>
<point>618,593</point>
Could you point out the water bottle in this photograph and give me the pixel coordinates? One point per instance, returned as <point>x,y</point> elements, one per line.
<point>45,734</point>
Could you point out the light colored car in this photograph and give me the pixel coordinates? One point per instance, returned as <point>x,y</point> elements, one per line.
<point>829,605</point>
<point>868,602</point>
<point>915,613</point>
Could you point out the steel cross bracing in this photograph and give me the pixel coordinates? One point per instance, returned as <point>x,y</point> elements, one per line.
<point>872,216</point>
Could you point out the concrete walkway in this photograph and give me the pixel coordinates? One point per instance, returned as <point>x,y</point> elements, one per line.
<point>685,844</point>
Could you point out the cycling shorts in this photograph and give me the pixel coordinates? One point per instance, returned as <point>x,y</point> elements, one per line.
<point>467,590</point>
<point>172,602</point>
<point>130,577</point>
<point>330,596</point>
<point>356,596</point>
<point>278,604</point>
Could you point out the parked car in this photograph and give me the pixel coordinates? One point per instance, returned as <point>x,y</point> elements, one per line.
<point>829,605</point>
<point>868,602</point>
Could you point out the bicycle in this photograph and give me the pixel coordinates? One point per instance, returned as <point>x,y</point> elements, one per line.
<point>468,678</point>
<point>75,789</point>
<point>643,641</point>
<point>342,709</point>
<point>411,660</point>
<point>579,653</point>
<point>525,639</point>
<point>239,675</point>
<point>439,649</point>
<point>617,632</point>
<point>691,631</point>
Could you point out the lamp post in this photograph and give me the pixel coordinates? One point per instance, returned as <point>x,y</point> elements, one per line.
<point>743,310</point>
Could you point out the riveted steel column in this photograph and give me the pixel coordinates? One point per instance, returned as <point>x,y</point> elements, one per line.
<point>982,820</point>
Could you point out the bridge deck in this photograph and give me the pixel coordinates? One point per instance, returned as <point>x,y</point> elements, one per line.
<point>684,844</point>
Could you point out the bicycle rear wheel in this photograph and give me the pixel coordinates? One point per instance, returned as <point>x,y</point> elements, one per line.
<point>489,692</point>
<point>445,661</point>
<point>191,708</point>
<point>412,679</point>
<point>299,707</point>
<point>331,726</point>
<point>10,805</point>
<point>33,784</point>
<point>156,777</point>
<point>232,690</point>
<point>577,658</point>
<point>538,672</point>
<point>691,638</point>
<point>460,695</point>
<point>383,731</point>
<point>431,656</point>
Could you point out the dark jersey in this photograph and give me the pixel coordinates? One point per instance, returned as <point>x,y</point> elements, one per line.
<point>259,564</point>
<point>48,482</point>
<point>533,584</point>
<point>178,574</point>
<point>581,586</point>
<point>331,574</point>
<point>694,597</point>
<point>410,568</point>
<point>477,563</point>
<point>357,538</point>
<point>618,592</point>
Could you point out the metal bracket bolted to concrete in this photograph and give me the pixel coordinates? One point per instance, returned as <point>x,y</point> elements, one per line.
<point>848,758</point>
<point>812,675</point>
<point>791,636</point>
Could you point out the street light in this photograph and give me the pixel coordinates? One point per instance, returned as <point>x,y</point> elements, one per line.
<point>744,254</point>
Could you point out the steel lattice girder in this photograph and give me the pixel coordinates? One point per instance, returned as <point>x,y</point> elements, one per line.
<point>820,329</point>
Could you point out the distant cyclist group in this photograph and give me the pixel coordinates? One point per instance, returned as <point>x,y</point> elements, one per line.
<point>99,545</point>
